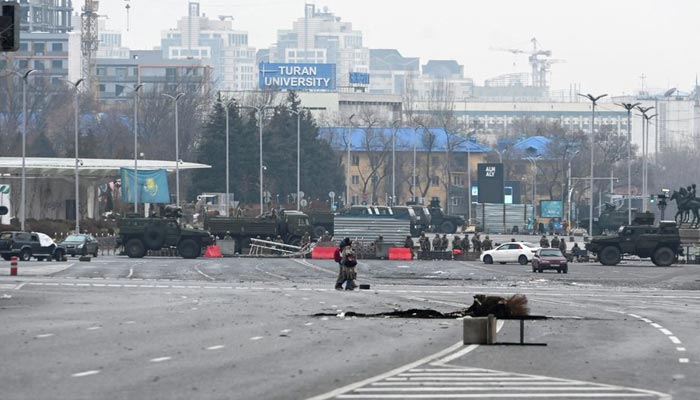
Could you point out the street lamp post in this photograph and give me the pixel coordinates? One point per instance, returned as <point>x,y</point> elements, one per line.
<point>645,133</point>
<point>136,147</point>
<point>177,146</point>
<point>393,161</point>
<point>629,107</point>
<point>347,174</point>
<point>23,191</point>
<point>77,160</point>
<point>594,101</point>
<point>298,114</point>
<point>533,161</point>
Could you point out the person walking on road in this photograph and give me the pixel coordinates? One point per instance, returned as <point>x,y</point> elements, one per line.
<point>562,247</point>
<point>345,257</point>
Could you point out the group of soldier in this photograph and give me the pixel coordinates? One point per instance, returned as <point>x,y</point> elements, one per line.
<point>441,243</point>
<point>556,243</point>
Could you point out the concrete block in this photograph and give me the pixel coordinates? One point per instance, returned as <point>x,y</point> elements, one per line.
<point>480,330</point>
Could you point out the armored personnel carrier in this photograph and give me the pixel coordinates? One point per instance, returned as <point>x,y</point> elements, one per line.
<point>139,234</point>
<point>661,243</point>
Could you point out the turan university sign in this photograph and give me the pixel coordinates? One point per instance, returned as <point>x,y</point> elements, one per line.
<point>273,76</point>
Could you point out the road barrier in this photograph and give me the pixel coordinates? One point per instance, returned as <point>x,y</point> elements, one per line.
<point>13,266</point>
<point>213,251</point>
<point>400,253</point>
<point>323,253</point>
<point>480,330</point>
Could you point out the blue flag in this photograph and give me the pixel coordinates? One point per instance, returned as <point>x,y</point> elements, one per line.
<point>152,186</point>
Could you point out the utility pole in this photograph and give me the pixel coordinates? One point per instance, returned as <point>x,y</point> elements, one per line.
<point>594,101</point>
<point>629,107</point>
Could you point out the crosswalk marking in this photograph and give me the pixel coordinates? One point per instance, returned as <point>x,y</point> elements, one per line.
<point>466,383</point>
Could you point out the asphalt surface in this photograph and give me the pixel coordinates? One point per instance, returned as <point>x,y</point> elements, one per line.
<point>243,328</point>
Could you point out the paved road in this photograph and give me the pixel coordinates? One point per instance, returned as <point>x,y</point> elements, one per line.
<point>167,328</point>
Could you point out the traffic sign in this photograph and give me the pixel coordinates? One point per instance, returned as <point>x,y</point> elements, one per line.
<point>331,194</point>
<point>304,203</point>
<point>5,189</point>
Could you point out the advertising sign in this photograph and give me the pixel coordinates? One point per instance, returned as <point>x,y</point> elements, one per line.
<point>490,178</point>
<point>359,78</point>
<point>551,208</point>
<point>296,76</point>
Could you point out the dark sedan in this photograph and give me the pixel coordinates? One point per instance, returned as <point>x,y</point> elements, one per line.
<point>81,245</point>
<point>549,259</point>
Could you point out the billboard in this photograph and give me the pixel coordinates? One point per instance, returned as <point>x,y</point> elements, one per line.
<point>359,78</point>
<point>296,76</point>
<point>490,178</point>
<point>551,208</point>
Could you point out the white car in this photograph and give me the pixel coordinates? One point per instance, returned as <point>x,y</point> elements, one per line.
<point>520,252</point>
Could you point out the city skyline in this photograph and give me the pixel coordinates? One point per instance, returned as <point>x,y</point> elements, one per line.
<point>605,46</point>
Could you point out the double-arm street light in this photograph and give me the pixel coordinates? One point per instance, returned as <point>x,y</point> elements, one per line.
<point>25,82</point>
<point>136,147</point>
<point>298,113</point>
<point>261,111</point>
<point>394,131</point>
<point>177,146</point>
<point>629,107</point>
<point>77,160</point>
<point>594,102</point>
<point>227,105</point>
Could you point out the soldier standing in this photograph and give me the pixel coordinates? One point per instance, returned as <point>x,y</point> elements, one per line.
<point>444,242</point>
<point>562,247</point>
<point>425,245</point>
<point>465,243</point>
<point>436,243</point>
<point>476,244</point>
<point>408,244</point>
<point>456,243</point>
<point>544,243</point>
<point>555,242</point>
<point>486,245</point>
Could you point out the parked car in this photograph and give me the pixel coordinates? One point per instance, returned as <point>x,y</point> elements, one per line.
<point>25,245</point>
<point>80,245</point>
<point>549,259</point>
<point>520,252</point>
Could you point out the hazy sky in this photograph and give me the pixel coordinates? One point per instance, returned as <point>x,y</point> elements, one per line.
<point>607,44</point>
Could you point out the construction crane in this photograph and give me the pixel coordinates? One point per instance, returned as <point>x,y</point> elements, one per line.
<point>88,44</point>
<point>538,59</point>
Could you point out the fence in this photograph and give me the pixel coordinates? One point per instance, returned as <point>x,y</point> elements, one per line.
<point>501,218</point>
<point>368,229</point>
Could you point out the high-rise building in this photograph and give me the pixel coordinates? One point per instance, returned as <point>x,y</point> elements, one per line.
<point>216,43</point>
<point>110,42</point>
<point>50,16</point>
<point>320,37</point>
<point>390,72</point>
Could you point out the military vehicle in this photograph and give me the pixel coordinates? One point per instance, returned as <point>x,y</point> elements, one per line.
<point>406,212</point>
<point>422,216</point>
<point>661,243</point>
<point>290,225</point>
<point>613,218</point>
<point>139,234</point>
<point>441,222</point>
<point>321,222</point>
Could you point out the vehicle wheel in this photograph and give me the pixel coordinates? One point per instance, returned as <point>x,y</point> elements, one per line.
<point>565,270</point>
<point>488,260</point>
<point>663,257</point>
<point>295,241</point>
<point>25,255</point>
<point>448,227</point>
<point>153,238</point>
<point>95,253</point>
<point>134,248</point>
<point>540,270</point>
<point>58,255</point>
<point>319,230</point>
<point>7,257</point>
<point>522,260</point>
<point>502,262</point>
<point>558,270</point>
<point>610,255</point>
<point>188,248</point>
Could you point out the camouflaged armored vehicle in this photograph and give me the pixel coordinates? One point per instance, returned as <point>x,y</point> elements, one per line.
<point>138,235</point>
<point>661,243</point>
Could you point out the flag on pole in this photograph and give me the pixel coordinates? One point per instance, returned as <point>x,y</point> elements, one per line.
<point>152,186</point>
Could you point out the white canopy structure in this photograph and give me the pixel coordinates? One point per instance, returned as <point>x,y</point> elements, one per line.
<point>89,167</point>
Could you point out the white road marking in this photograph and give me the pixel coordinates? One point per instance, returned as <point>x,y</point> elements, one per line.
<point>196,268</point>
<point>309,323</point>
<point>683,360</point>
<point>131,273</point>
<point>43,335</point>
<point>20,286</point>
<point>666,332</point>
<point>160,359</point>
<point>256,338</point>
<point>217,347</point>
<point>285,330</point>
<point>675,340</point>
<point>680,348</point>
<point>129,322</point>
<point>94,328</point>
<point>86,373</point>
<point>657,326</point>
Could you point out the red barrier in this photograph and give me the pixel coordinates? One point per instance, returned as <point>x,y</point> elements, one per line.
<point>323,253</point>
<point>13,266</point>
<point>213,252</point>
<point>456,252</point>
<point>400,253</point>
